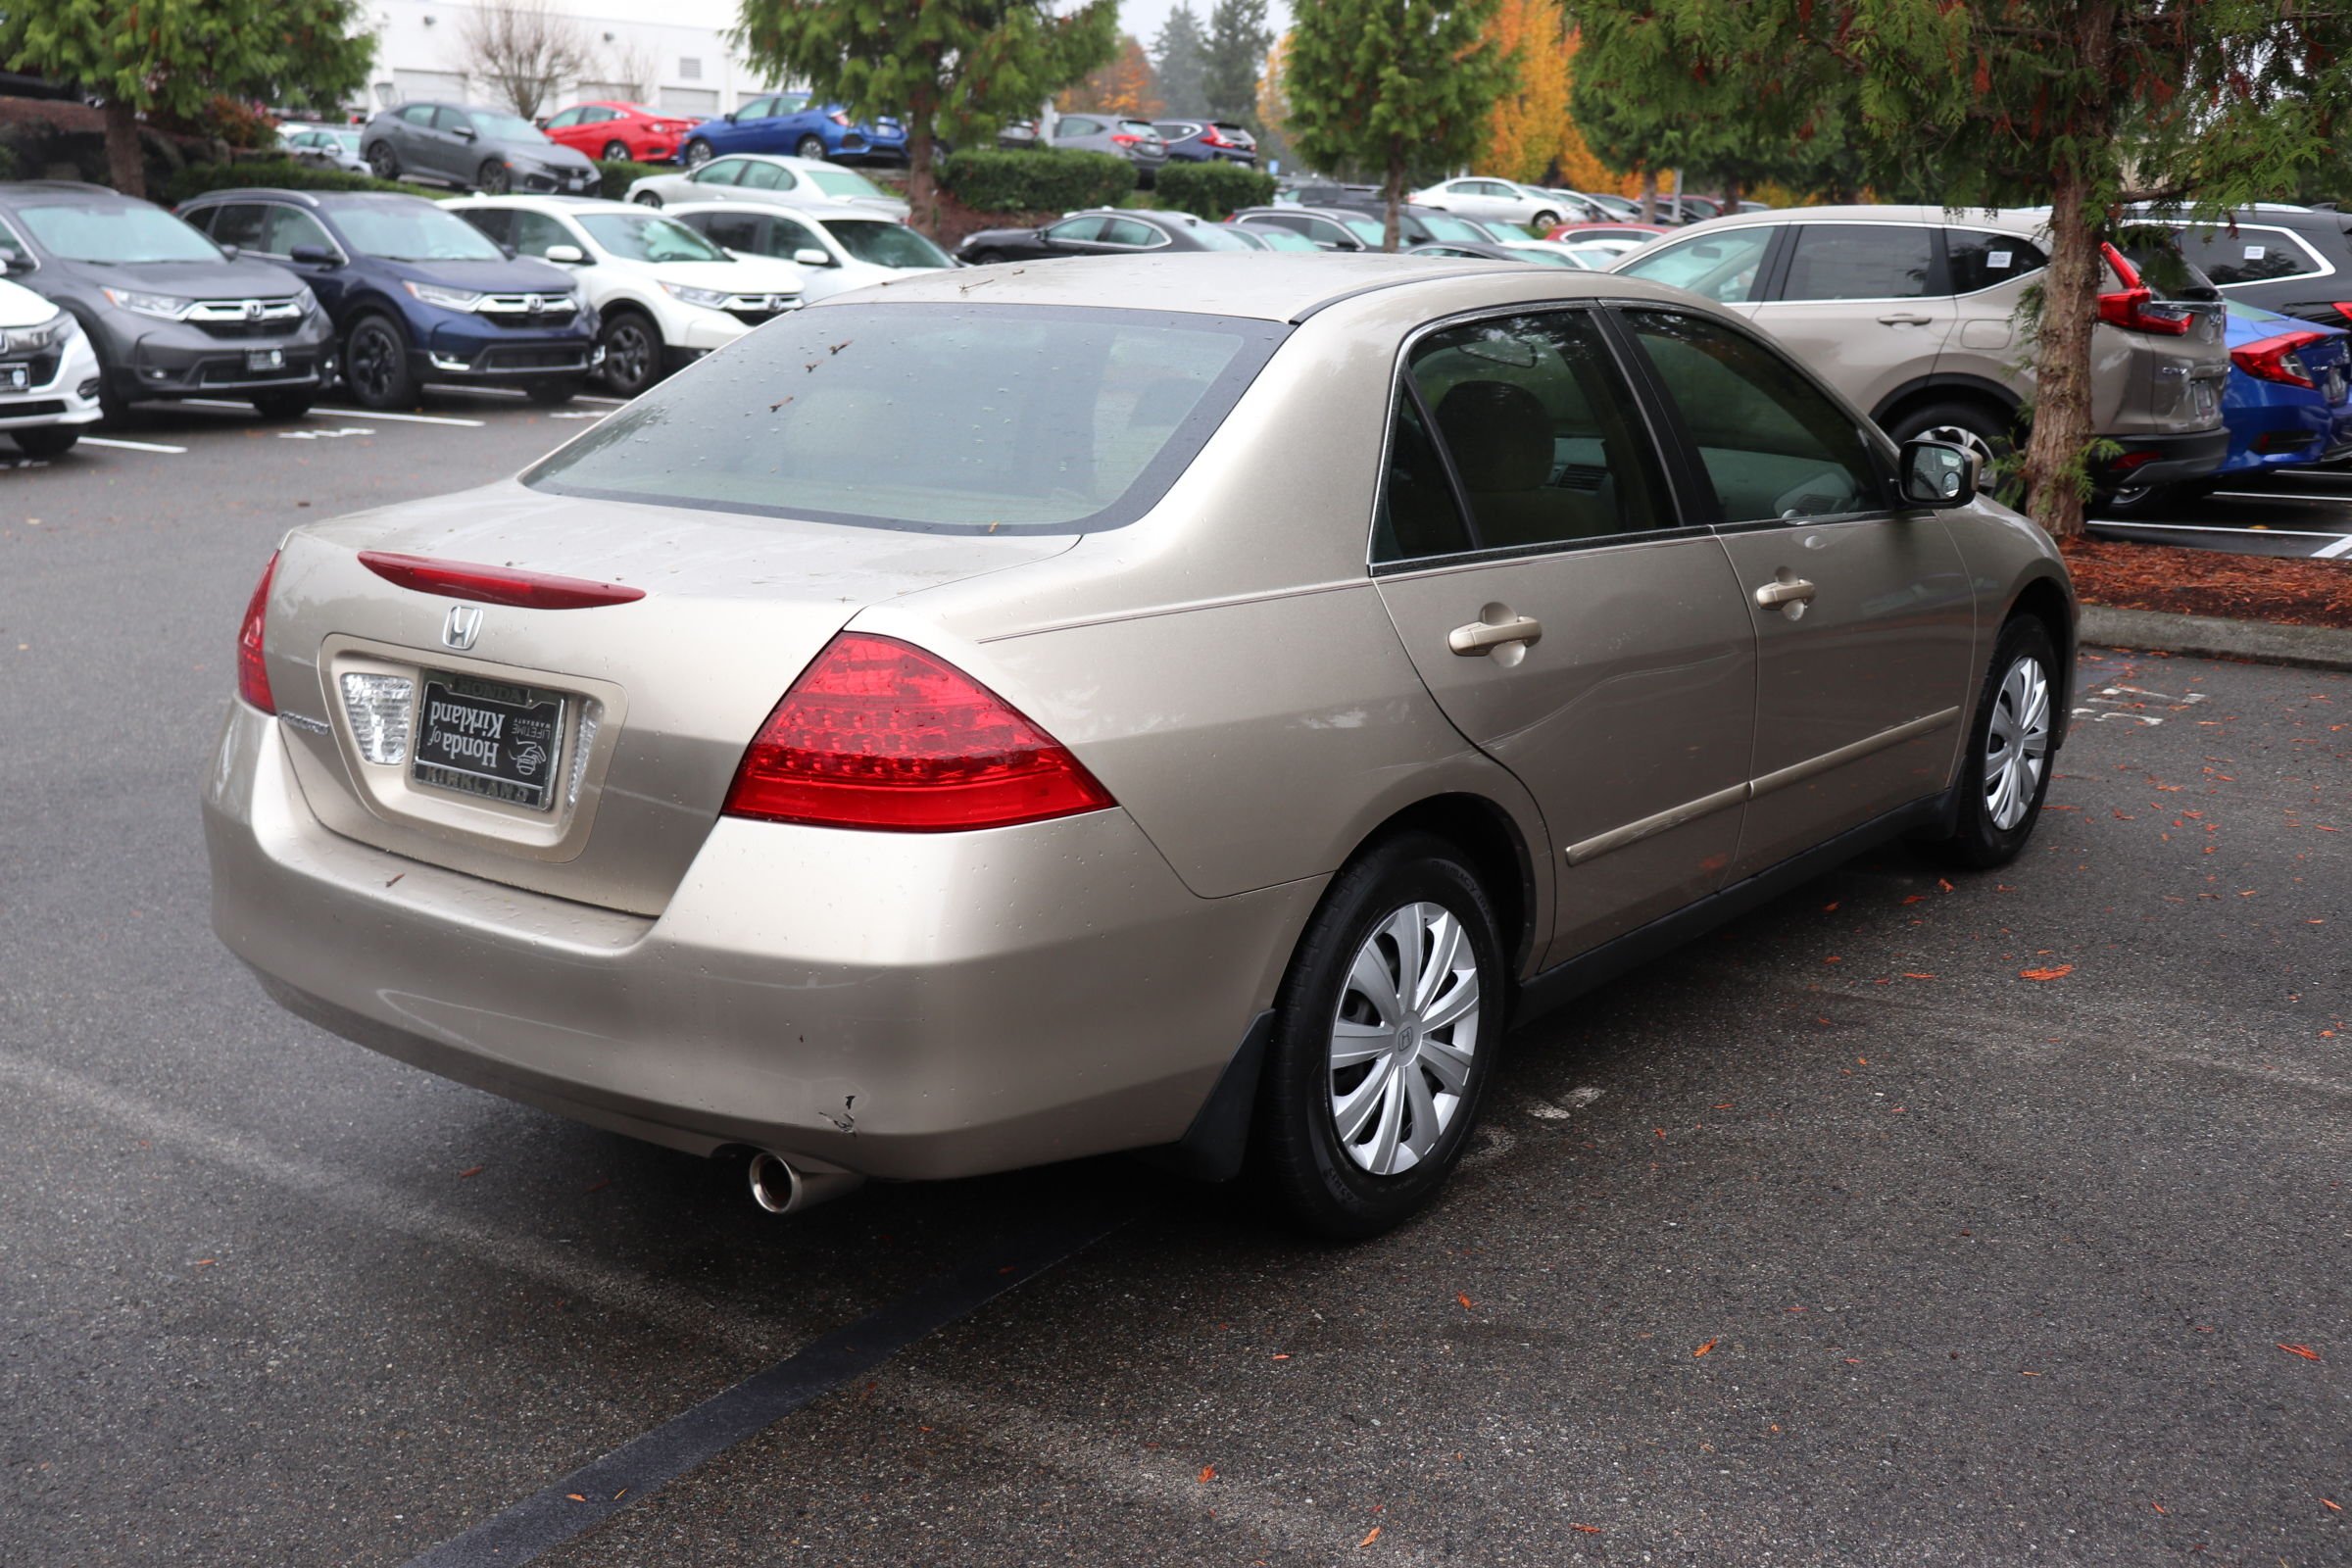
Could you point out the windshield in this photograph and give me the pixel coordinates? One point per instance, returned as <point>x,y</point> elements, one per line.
<point>131,235</point>
<point>1441,226</point>
<point>643,238</point>
<point>1032,418</point>
<point>1214,238</point>
<point>886,244</point>
<point>841,182</point>
<point>492,125</point>
<point>413,231</point>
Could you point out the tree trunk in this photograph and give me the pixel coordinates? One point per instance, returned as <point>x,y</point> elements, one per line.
<point>1394,228</point>
<point>1649,195</point>
<point>2069,290</point>
<point>124,166</point>
<point>1731,195</point>
<point>923,187</point>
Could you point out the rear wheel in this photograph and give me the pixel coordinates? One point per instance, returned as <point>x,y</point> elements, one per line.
<point>645,198</point>
<point>633,352</point>
<point>47,440</point>
<point>383,161</point>
<point>376,363</point>
<point>1546,222</point>
<point>698,153</point>
<point>493,179</point>
<point>2006,770</point>
<point>1385,1032</point>
<point>1977,427</point>
<point>615,152</point>
<point>811,146</point>
<point>284,404</point>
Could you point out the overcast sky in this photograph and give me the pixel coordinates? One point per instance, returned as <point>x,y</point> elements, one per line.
<point>1144,17</point>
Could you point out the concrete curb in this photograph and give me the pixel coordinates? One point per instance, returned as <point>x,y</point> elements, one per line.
<point>2209,637</point>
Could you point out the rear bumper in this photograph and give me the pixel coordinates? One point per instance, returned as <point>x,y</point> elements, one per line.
<point>906,1006</point>
<point>2147,459</point>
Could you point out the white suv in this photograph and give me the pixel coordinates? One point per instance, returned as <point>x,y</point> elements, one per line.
<point>48,374</point>
<point>663,294</point>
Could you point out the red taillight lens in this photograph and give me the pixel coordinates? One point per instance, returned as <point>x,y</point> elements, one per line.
<point>2273,359</point>
<point>2135,307</point>
<point>879,734</point>
<point>252,672</point>
<point>1209,138</point>
<point>1125,140</point>
<point>495,585</point>
<point>838,118</point>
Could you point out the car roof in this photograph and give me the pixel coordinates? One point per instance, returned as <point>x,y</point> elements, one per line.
<point>2023,220</point>
<point>31,191</point>
<point>1268,285</point>
<point>322,199</point>
<point>821,212</point>
<point>549,204</point>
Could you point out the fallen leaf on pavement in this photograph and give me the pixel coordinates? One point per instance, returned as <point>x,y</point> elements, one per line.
<point>2331,1505</point>
<point>2303,1350</point>
<point>470,1171</point>
<point>2059,972</point>
<point>576,1496</point>
<point>1703,1349</point>
<point>1464,1299</point>
<point>1590,1530</point>
<point>1370,1537</point>
<point>1208,1472</point>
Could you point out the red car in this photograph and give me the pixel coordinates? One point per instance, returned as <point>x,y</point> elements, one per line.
<point>1578,233</point>
<point>612,131</point>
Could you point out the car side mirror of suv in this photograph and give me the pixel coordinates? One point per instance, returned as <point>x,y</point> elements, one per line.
<point>811,256</point>
<point>565,255</point>
<point>313,255</point>
<point>1937,474</point>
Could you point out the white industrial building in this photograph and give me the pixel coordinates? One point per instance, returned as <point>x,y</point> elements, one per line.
<point>671,54</point>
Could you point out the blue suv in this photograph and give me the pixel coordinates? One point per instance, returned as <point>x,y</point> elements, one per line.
<point>787,123</point>
<point>417,294</point>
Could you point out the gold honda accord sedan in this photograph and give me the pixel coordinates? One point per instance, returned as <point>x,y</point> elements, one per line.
<point>1187,704</point>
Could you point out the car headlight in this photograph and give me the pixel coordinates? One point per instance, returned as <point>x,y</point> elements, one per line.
<point>449,299</point>
<point>306,299</point>
<point>166,306</point>
<point>32,339</point>
<point>710,299</point>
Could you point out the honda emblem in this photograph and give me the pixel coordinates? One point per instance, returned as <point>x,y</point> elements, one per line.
<point>462,627</point>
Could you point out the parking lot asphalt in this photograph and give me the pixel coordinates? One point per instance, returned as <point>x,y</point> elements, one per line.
<point>1833,1238</point>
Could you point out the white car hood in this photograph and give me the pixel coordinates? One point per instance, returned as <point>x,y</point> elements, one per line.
<point>22,307</point>
<point>753,274</point>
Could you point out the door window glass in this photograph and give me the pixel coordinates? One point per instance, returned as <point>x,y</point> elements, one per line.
<point>788,236</point>
<point>567,118</point>
<point>1724,266</point>
<point>1859,262</point>
<point>289,227</point>
<point>1077,231</point>
<point>1534,415</point>
<point>1980,259</point>
<point>452,121</point>
<point>417,114</point>
<point>535,233</point>
<point>726,171</point>
<point>1072,126</point>
<point>1772,443</point>
<point>758,109</point>
<point>2248,256</point>
<point>1131,232</point>
<point>736,232</point>
<point>765,176</point>
<point>240,223</point>
<point>1417,515</point>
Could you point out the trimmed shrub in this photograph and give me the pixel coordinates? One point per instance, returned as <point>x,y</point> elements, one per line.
<point>275,173</point>
<point>993,180</point>
<point>620,174</point>
<point>1211,190</point>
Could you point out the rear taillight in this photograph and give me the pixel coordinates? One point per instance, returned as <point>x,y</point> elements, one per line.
<point>1125,140</point>
<point>1209,138</point>
<point>2135,307</point>
<point>838,118</point>
<point>878,734</point>
<point>495,585</point>
<point>2275,359</point>
<point>253,671</point>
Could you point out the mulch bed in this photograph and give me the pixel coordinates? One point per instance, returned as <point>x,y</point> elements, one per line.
<point>2282,590</point>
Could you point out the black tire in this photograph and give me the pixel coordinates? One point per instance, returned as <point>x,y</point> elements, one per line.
<point>698,153</point>
<point>1545,222</point>
<point>552,394</point>
<point>647,198</point>
<point>284,404</point>
<point>987,258</point>
<point>1323,1181</point>
<point>47,440</point>
<point>633,352</point>
<point>810,146</point>
<point>375,365</point>
<point>383,161</point>
<point>616,151</point>
<point>493,179</point>
<point>1983,424</point>
<point>1979,841</point>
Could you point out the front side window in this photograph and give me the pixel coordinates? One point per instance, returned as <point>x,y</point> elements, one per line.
<point>789,236</point>
<point>1725,266</point>
<point>1042,418</point>
<point>567,118</point>
<point>289,227</point>
<point>643,238</point>
<point>1772,444</point>
<point>452,121</point>
<point>2247,255</point>
<point>1979,259</point>
<point>723,171</point>
<point>1859,262</point>
<point>1132,232</point>
<point>417,114</point>
<point>758,109</point>
<point>20,255</point>
<point>883,244</point>
<point>1076,230</point>
<point>240,223</point>
<point>1535,419</point>
<point>536,234</point>
<point>496,126</point>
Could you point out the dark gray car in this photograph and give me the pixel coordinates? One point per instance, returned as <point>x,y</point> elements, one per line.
<point>1137,140</point>
<point>170,314</point>
<point>473,148</point>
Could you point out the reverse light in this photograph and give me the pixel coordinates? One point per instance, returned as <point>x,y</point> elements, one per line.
<point>2135,308</point>
<point>879,734</point>
<point>495,585</point>
<point>377,706</point>
<point>252,670</point>
<point>2273,359</point>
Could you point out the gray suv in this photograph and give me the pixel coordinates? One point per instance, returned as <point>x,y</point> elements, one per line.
<point>473,148</point>
<point>1139,142</point>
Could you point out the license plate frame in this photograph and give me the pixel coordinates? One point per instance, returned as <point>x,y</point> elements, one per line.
<point>262,361</point>
<point>493,740</point>
<point>15,377</point>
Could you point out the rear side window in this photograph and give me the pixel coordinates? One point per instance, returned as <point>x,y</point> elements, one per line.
<point>1417,516</point>
<point>1979,259</point>
<point>767,176</point>
<point>1859,262</point>
<point>1772,445</point>
<point>737,231</point>
<point>726,171</point>
<point>2248,255</point>
<point>1033,419</point>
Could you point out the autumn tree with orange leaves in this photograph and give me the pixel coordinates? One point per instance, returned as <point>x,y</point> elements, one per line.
<point>1127,86</point>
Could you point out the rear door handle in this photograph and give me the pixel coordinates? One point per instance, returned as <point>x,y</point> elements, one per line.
<point>1796,591</point>
<point>1905,318</point>
<point>1484,637</point>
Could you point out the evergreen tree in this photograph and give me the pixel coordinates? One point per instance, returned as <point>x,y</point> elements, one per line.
<point>949,68</point>
<point>175,56</point>
<point>1238,38</point>
<point>1392,85</point>
<point>1181,57</point>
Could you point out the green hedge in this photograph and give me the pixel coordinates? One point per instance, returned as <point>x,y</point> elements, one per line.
<point>991,179</point>
<point>1213,190</point>
<point>619,176</point>
<point>277,173</point>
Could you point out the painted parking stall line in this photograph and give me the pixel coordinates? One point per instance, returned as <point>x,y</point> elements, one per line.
<point>132,446</point>
<point>397,418</point>
<point>594,1493</point>
<point>2342,547</point>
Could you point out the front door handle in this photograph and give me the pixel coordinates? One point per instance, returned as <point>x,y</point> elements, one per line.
<point>1484,636</point>
<point>1795,591</point>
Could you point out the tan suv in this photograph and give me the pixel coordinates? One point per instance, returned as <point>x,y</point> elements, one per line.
<point>1913,312</point>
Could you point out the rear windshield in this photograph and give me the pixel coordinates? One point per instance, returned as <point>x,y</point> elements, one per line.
<point>930,416</point>
<point>2155,252</point>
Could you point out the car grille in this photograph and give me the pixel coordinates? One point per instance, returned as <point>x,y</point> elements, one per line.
<point>518,359</point>
<point>30,410</point>
<point>219,372</point>
<point>244,317</point>
<point>851,142</point>
<point>754,309</point>
<point>544,179</point>
<point>528,310</point>
<point>41,367</point>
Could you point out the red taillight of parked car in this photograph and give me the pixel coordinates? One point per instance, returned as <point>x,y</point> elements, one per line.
<point>1210,138</point>
<point>838,118</point>
<point>495,585</point>
<point>2275,359</point>
<point>252,672</point>
<point>1122,139</point>
<point>879,734</point>
<point>2135,307</point>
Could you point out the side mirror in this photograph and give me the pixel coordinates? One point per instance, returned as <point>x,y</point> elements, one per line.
<point>229,251</point>
<point>505,250</point>
<point>811,256</point>
<point>565,255</point>
<point>313,256</point>
<point>729,116</point>
<point>1938,475</point>
<point>465,133</point>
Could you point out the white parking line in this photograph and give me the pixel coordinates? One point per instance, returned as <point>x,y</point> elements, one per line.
<point>2214,527</point>
<point>2273,495</point>
<point>618,403</point>
<point>402,419</point>
<point>2342,547</point>
<point>131,446</point>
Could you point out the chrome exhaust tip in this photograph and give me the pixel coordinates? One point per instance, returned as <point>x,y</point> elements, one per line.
<point>781,1188</point>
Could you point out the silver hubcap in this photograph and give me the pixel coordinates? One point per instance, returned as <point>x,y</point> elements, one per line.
<point>2018,744</point>
<point>1952,436</point>
<point>1402,1038</point>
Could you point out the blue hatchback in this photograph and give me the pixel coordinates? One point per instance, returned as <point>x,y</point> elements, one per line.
<point>787,123</point>
<point>417,294</point>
